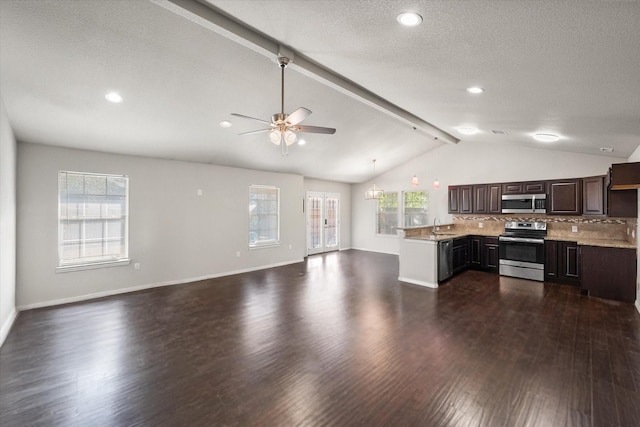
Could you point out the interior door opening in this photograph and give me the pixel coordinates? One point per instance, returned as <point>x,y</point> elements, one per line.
<point>323,222</point>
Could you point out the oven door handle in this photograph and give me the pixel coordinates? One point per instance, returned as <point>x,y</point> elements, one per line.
<point>520,239</point>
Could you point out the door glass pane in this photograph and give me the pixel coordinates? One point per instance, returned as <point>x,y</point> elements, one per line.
<point>315,222</point>
<point>331,229</point>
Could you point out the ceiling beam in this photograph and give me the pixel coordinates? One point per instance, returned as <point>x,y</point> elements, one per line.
<point>217,21</point>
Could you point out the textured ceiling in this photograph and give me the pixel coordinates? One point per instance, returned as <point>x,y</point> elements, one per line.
<point>569,68</point>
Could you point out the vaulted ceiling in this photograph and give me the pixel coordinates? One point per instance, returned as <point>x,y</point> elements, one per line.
<point>570,68</point>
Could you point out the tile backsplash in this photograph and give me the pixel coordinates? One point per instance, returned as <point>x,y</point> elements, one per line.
<point>558,227</point>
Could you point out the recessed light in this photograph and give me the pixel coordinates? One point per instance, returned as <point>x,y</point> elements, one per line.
<point>467,130</point>
<point>302,142</point>
<point>475,89</point>
<point>546,137</point>
<point>409,19</point>
<point>225,124</point>
<point>113,97</point>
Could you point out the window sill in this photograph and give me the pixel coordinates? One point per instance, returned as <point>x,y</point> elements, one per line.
<point>270,245</point>
<point>92,266</point>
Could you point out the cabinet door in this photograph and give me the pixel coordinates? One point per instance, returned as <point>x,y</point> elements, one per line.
<point>565,197</point>
<point>466,199</point>
<point>593,195</point>
<point>454,196</point>
<point>535,187</point>
<point>569,262</point>
<point>480,199</point>
<point>513,188</point>
<point>476,251</point>
<point>609,272</point>
<point>491,255</point>
<point>551,261</point>
<point>494,198</point>
<point>623,203</point>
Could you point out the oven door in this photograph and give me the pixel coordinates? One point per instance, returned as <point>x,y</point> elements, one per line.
<point>522,250</point>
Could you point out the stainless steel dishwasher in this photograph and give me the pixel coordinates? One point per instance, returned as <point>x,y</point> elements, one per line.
<point>445,259</point>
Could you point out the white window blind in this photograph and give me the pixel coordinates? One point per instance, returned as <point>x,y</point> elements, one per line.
<point>264,215</point>
<point>387,214</point>
<point>93,217</point>
<point>416,204</point>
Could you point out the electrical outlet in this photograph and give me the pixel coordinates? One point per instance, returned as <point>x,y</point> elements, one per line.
<point>633,234</point>
<point>238,254</point>
<point>574,228</point>
<point>448,227</point>
<point>137,266</point>
<point>199,192</point>
<point>290,246</point>
<point>480,225</point>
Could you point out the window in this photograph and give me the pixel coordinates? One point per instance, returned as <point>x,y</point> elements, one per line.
<point>93,219</point>
<point>387,220</point>
<point>264,215</point>
<point>415,208</point>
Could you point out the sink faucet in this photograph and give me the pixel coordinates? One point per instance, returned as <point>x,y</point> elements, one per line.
<point>436,224</point>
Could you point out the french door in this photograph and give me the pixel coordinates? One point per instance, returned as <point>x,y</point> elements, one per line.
<point>323,222</point>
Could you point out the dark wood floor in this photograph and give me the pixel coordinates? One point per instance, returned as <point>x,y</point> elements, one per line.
<point>336,340</point>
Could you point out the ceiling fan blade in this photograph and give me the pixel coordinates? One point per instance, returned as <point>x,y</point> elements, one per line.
<point>251,118</point>
<point>255,131</point>
<point>298,115</point>
<point>314,129</point>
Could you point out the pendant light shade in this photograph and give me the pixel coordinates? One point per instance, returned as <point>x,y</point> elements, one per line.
<point>275,136</point>
<point>374,192</point>
<point>414,181</point>
<point>436,183</point>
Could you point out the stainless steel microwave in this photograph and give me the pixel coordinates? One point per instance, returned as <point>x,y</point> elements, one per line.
<point>524,203</point>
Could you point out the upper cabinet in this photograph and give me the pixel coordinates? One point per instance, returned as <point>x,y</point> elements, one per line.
<point>565,197</point>
<point>593,201</point>
<point>461,199</point>
<point>529,187</point>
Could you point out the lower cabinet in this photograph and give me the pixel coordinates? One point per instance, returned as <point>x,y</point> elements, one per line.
<point>609,272</point>
<point>562,262</point>
<point>491,254</point>
<point>461,256</point>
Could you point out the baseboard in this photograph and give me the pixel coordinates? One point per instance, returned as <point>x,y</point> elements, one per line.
<point>419,282</point>
<point>378,252</point>
<point>638,305</point>
<point>4,331</point>
<point>103,294</point>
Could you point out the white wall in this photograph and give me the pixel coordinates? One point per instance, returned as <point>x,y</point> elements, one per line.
<point>464,163</point>
<point>345,204</point>
<point>7,225</point>
<point>635,157</point>
<point>176,235</point>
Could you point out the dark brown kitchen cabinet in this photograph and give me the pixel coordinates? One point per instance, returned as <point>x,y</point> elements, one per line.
<point>461,256</point>
<point>480,199</point>
<point>491,255</point>
<point>476,251</point>
<point>562,262</point>
<point>461,199</point>
<point>529,187</point>
<point>593,196</point>
<point>565,197</point>
<point>494,198</point>
<point>609,272</point>
<point>620,203</point>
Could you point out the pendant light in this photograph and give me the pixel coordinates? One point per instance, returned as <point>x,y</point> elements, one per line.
<point>436,183</point>
<point>374,192</point>
<point>414,181</point>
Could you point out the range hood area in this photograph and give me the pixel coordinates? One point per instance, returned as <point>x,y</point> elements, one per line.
<point>624,176</point>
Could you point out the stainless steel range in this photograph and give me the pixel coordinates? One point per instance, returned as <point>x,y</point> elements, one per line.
<point>522,250</point>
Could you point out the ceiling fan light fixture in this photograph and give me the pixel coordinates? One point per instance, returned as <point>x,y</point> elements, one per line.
<point>275,136</point>
<point>225,124</point>
<point>290,137</point>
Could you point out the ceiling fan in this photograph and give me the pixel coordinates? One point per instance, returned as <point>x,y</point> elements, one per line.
<point>283,127</point>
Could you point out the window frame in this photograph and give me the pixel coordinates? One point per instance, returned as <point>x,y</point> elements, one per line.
<point>270,242</point>
<point>95,262</point>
